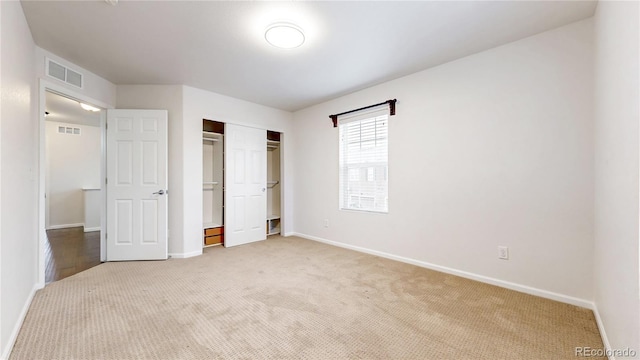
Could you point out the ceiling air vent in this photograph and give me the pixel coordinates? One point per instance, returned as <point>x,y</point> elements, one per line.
<point>62,73</point>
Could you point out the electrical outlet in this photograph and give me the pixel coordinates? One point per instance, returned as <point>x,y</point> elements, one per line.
<point>503,252</point>
<point>325,223</point>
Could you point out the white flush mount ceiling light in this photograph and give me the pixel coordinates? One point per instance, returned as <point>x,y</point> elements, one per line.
<point>284,35</point>
<point>89,107</point>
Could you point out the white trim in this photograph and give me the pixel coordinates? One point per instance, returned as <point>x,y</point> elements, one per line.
<point>64,226</point>
<point>481,278</point>
<point>103,185</point>
<point>185,255</point>
<point>66,92</point>
<point>603,333</point>
<point>90,229</point>
<point>18,325</point>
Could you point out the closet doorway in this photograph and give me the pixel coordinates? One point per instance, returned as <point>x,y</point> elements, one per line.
<point>213,182</point>
<point>255,171</point>
<point>274,192</point>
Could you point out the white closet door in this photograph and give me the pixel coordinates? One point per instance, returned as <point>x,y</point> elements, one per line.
<point>245,185</point>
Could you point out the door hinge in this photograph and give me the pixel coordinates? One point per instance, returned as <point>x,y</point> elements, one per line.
<point>106,181</point>
<point>106,126</point>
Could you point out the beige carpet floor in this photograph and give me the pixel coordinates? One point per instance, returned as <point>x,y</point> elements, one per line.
<point>289,298</point>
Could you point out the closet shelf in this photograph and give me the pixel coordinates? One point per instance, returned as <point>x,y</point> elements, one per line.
<point>211,135</point>
<point>273,225</point>
<point>210,225</point>
<point>271,184</point>
<point>209,183</point>
<point>210,139</point>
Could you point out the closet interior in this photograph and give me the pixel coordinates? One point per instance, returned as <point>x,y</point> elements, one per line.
<point>273,183</point>
<point>213,182</point>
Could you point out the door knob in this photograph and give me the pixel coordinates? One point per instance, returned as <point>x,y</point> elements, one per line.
<point>262,189</point>
<point>161,192</point>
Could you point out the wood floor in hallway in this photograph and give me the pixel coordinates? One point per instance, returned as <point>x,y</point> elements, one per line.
<point>70,251</point>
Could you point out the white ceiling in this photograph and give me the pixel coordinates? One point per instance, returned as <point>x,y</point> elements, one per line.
<point>219,45</point>
<point>66,110</point>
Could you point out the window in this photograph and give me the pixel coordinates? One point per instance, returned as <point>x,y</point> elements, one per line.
<point>364,162</point>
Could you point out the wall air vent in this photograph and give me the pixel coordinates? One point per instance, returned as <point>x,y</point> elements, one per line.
<point>69,130</point>
<point>62,73</point>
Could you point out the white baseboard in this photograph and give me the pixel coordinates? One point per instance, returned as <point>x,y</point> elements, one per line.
<point>185,255</point>
<point>290,234</point>
<point>16,328</point>
<point>64,226</point>
<point>90,229</point>
<point>485,279</point>
<point>603,333</point>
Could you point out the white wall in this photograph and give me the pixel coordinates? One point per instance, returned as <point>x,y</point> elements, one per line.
<point>21,267</point>
<point>19,146</point>
<point>164,97</point>
<point>492,149</point>
<point>200,104</point>
<point>617,145</point>
<point>92,209</point>
<point>72,163</point>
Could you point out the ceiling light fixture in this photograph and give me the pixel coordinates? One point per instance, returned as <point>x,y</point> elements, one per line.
<point>284,35</point>
<point>89,107</point>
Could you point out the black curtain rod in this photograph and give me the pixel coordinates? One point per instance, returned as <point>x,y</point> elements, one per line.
<point>392,110</point>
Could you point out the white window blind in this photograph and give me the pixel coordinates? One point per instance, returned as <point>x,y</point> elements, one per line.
<point>364,140</point>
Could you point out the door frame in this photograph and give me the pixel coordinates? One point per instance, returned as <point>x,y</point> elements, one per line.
<point>45,86</point>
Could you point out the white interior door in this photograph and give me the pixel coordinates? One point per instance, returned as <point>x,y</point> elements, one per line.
<point>136,185</point>
<point>245,182</point>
